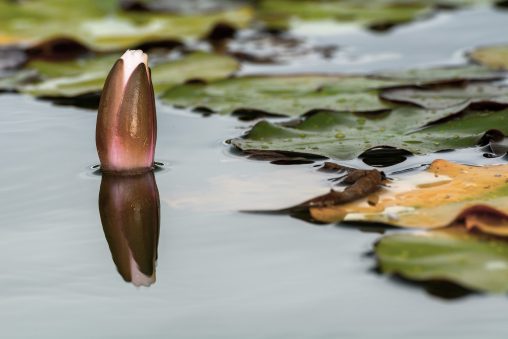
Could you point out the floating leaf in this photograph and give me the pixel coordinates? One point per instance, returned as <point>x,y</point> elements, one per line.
<point>473,261</point>
<point>360,183</point>
<point>442,97</point>
<point>99,25</point>
<point>442,75</point>
<point>445,194</point>
<point>344,136</point>
<point>176,6</point>
<point>377,15</point>
<point>284,95</point>
<point>495,57</point>
<point>380,14</point>
<point>83,76</point>
<point>294,95</point>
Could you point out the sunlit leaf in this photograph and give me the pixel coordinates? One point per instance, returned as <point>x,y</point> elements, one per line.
<point>100,25</point>
<point>495,57</point>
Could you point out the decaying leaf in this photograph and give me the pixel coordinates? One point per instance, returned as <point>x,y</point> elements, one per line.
<point>344,136</point>
<point>474,261</point>
<point>445,194</point>
<point>495,57</point>
<point>360,184</point>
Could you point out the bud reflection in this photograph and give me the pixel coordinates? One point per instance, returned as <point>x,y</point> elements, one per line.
<point>129,211</point>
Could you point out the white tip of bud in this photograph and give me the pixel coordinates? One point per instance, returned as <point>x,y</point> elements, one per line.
<point>131,60</point>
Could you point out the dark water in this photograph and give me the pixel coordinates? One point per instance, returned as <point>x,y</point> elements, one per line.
<point>220,273</point>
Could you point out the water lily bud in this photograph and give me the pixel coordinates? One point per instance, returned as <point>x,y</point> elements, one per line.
<point>126,128</point>
<point>129,210</point>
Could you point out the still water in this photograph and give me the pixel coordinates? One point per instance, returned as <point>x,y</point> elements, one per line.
<point>220,273</point>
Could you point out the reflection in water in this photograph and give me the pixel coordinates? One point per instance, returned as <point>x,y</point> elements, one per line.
<point>129,210</point>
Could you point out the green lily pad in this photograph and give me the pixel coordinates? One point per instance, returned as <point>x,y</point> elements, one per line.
<point>437,98</point>
<point>380,14</point>
<point>369,13</point>
<point>495,57</point>
<point>343,136</point>
<point>78,77</point>
<point>12,82</point>
<point>283,95</point>
<point>101,25</point>
<point>442,75</point>
<point>294,95</point>
<point>473,261</point>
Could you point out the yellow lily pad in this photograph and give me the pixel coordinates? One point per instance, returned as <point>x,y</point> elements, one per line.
<point>495,57</point>
<point>445,194</point>
<point>102,26</point>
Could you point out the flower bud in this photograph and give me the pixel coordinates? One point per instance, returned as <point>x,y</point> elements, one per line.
<point>126,123</point>
<point>130,216</point>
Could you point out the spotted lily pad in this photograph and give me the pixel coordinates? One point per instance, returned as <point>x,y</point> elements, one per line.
<point>495,57</point>
<point>446,194</point>
<point>100,25</point>
<point>475,262</point>
<point>442,97</point>
<point>294,95</point>
<point>343,136</point>
<point>78,77</point>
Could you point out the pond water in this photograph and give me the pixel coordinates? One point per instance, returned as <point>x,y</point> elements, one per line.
<point>220,273</point>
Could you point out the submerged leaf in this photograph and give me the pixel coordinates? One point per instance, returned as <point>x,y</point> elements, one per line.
<point>344,136</point>
<point>495,57</point>
<point>476,262</point>
<point>445,194</point>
